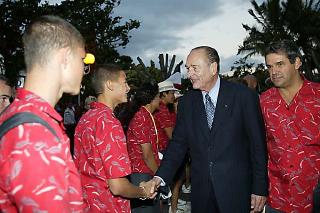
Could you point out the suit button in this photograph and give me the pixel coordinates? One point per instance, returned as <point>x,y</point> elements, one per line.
<point>211,163</point>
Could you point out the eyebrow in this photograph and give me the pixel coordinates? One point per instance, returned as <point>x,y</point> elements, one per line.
<point>278,62</point>
<point>192,65</point>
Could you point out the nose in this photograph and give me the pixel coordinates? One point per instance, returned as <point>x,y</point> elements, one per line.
<point>128,88</point>
<point>272,70</point>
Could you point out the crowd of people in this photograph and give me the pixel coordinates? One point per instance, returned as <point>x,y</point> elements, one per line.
<point>246,152</point>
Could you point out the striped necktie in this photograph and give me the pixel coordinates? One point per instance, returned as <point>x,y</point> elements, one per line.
<point>209,110</point>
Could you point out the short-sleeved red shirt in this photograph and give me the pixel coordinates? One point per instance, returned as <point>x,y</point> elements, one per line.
<point>293,140</point>
<point>165,119</point>
<point>37,171</point>
<point>101,154</point>
<point>141,130</point>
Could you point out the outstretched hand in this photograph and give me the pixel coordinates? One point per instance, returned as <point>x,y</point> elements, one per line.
<point>150,188</point>
<point>157,181</point>
<point>257,203</point>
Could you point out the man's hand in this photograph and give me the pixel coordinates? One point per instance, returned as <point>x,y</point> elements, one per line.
<point>257,203</point>
<point>157,181</point>
<point>150,188</point>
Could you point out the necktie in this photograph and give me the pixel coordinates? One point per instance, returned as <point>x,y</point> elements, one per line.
<point>209,110</point>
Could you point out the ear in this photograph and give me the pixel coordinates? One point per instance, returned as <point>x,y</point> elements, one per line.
<point>62,64</point>
<point>297,63</point>
<point>214,68</point>
<point>65,54</point>
<point>109,85</point>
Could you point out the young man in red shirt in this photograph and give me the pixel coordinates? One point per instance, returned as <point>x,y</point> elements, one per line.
<point>37,171</point>
<point>163,116</point>
<point>142,135</point>
<point>101,153</point>
<point>292,117</point>
<point>167,122</point>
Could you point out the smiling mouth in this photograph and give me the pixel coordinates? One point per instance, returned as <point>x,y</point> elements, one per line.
<point>276,78</point>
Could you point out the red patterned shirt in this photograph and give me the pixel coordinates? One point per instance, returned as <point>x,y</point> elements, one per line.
<point>101,154</point>
<point>141,130</point>
<point>37,171</point>
<point>164,119</point>
<point>293,140</point>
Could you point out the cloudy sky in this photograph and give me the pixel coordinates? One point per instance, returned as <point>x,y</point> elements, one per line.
<point>176,26</point>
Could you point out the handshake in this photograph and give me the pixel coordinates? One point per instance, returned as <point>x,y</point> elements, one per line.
<point>150,188</point>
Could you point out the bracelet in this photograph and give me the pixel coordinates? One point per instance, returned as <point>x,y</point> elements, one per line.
<point>145,192</point>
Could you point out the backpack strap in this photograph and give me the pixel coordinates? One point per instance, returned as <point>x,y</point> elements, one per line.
<point>21,118</point>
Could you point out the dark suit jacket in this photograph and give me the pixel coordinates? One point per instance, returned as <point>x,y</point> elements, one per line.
<point>232,155</point>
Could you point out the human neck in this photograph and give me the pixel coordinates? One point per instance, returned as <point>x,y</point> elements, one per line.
<point>211,84</point>
<point>43,85</point>
<point>149,108</point>
<point>289,92</point>
<point>105,99</point>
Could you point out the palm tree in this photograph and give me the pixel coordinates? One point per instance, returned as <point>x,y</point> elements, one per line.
<point>297,20</point>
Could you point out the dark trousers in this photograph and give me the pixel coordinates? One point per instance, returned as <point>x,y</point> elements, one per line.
<point>70,132</point>
<point>269,209</point>
<point>316,199</point>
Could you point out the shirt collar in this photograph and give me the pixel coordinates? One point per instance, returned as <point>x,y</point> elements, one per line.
<point>99,105</point>
<point>213,93</point>
<point>38,102</point>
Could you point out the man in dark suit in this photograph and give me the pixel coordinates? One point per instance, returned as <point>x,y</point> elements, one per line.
<point>229,172</point>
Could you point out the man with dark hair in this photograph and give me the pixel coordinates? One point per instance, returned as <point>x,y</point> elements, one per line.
<point>221,123</point>
<point>101,153</point>
<point>6,93</point>
<point>292,119</point>
<point>167,121</point>
<point>163,116</point>
<point>143,142</point>
<point>37,171</point>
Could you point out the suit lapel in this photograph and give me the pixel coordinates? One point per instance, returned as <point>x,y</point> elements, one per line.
<point>223,107</point>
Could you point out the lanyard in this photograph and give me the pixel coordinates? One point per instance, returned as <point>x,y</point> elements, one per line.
<point>154,125</point>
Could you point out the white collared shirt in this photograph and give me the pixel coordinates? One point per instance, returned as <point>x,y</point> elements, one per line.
<point>213,93</point>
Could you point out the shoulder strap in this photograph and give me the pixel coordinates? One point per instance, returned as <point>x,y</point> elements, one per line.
<point>21,118</point>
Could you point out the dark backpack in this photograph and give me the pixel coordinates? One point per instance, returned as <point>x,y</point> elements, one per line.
<point>21,118</point>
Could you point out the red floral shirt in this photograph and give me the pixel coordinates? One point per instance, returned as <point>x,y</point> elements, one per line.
<point>37,171</point>
<point>293,140</point>
<point>141,130</point>
<point>164,119</point>
<point>101,154</point>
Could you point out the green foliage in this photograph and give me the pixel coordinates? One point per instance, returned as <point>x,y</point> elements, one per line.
<point>94,19</point>
<point>262,76</point>
<point>14,16</point>
<point>297,20</point>
<point>139,75</point>
<point>242,68</point>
